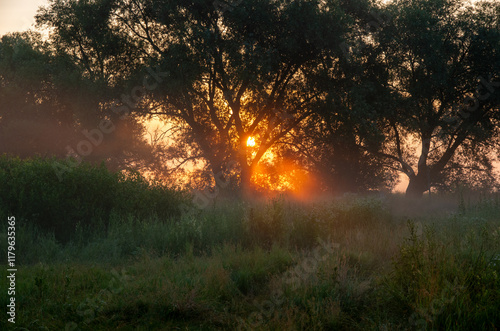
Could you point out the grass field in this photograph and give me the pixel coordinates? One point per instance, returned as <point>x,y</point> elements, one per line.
<point>351,263</point>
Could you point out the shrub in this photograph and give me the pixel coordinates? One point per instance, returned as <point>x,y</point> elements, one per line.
<point>86,197</point>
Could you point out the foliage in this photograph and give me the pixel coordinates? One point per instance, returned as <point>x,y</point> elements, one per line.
<point>345,90</point>
<point>87,197</point>
<point>50,106</point>
<point>225,74</point>
<point>444,90</point>
<point>33,113</point>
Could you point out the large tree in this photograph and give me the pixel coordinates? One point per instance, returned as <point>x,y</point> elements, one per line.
<point>281,73</point>
<point>442,63</point>
<point>101,63</point>
<point>235,71</point>
<point>347,126</point>
<point>34,117</point>
<point>49,103</point>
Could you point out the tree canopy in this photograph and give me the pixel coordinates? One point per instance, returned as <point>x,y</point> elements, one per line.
<point>352,91</point>
<point>443,63</point>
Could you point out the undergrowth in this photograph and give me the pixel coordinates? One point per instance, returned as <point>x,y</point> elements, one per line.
<point>339,264</point>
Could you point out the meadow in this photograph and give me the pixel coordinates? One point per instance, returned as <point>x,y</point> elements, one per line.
<point>373,262</point>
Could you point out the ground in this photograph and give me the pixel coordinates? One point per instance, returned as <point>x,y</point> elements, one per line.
<point>352,263</point>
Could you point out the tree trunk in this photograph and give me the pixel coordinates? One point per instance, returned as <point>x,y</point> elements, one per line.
<point>420,183</point>
<point>245,181</point>
<point>417,186</point>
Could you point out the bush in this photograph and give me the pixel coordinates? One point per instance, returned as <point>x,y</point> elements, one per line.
<point>87,196</point>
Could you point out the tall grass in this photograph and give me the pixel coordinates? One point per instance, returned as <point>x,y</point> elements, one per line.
<point>448,284</point>
<point>351,263</point>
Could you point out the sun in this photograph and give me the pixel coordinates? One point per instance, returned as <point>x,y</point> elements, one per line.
<point>250,142</point>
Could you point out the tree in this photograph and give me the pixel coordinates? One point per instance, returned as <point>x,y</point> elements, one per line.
<point>280,72</point>
<point>235,72</point>
<point>348,128</point>
<point>102,64</point>
<point>443,61</point>
<point>337,157</point>
<point>48,104</point>
<point>34,119</point>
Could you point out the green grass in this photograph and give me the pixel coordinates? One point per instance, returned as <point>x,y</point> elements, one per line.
<point>353,263</point>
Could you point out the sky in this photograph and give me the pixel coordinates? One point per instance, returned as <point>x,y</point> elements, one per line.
<point>18,15</point>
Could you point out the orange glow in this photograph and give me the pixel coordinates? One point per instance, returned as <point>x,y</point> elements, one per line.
<point>273,174</point>
<point>250,142</point>
<point>284,177</point>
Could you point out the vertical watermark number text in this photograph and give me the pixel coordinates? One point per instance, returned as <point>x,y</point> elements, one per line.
<point>11,271</point>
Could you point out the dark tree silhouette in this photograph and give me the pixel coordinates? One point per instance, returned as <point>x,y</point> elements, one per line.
<point>344,91</point>
<point>442,62</point>
<point>234,72</point>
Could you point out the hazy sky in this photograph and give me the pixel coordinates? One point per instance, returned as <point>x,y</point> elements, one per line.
<point>18,15</point>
